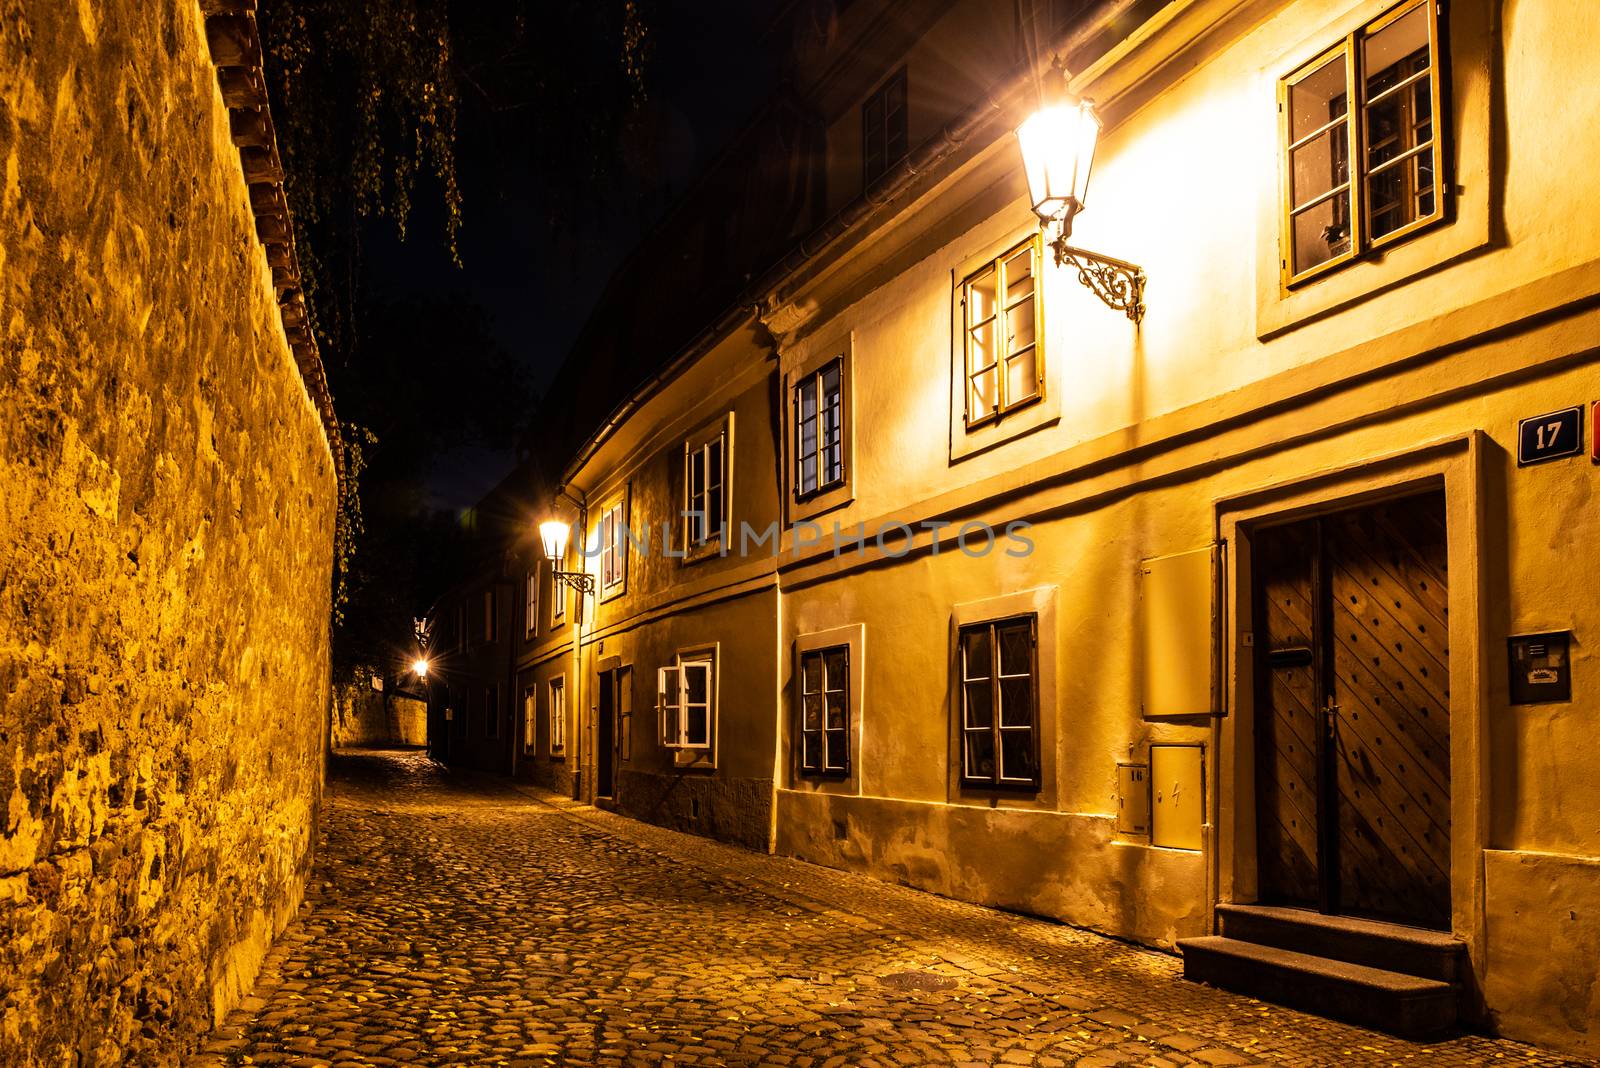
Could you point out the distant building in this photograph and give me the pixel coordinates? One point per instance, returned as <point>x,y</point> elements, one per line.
<point>1252,620</point>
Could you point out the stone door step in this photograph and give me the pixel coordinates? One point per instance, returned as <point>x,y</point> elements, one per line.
<point>1406,1005</point>
<point>1388,946</point>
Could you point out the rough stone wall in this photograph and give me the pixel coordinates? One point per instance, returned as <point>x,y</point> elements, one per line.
<point>167,499</point>
<point>363,716</point>
<point>731,810</point>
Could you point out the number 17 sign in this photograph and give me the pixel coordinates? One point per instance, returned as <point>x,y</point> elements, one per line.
<point>1550,437</point>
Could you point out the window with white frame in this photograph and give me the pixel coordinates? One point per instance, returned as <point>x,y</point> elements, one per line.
<point>825,711</point>
<point>531,601</point>
<point>819,430</point>
<point>613,547</point>
<point>491,712</point>
<point>558,597</point>
<point>530,719</point>
<point>999,724</point>
<point>1360,177</point>
<point>705,490</point>
<point>686,702</point>
<point>558,715</point>
<point>1000,314</point>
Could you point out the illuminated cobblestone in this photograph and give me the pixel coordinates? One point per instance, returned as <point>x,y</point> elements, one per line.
<point>457,921</point>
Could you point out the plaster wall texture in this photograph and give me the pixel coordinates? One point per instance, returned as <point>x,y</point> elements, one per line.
<point>166,552</point>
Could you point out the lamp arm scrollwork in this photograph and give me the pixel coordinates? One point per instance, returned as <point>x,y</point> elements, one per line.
<point>1118,283</point>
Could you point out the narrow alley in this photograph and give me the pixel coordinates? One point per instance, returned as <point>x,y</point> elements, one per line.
<point>454,920</point>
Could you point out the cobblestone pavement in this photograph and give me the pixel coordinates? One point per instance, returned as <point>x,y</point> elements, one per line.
<point>454,920</point>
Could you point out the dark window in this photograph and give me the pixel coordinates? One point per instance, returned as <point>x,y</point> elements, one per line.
<point>999,704</point>
<point>825,711</point>
<point>819,430</point>
<point>883,127</point>
<point>705,497</point>
<point>491,712</point>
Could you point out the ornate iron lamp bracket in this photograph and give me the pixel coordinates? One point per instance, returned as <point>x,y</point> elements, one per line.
<point>581,581</point>
<point>1118,283</point>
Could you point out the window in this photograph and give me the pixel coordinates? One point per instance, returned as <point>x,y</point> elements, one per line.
<point>558,598</point>
<point>883,128</point>
<point>999,718</point>
<point>1000,313</point>
<point>530,720</point>
<point>531,605</point>
<point>491,712</point>
<point>558,716</point>
<point>705,497</point>
<point>685,702</point>
<point>819,430</point>
<point>490,616</point>
<point>825,711</point>
<point>1335,212</point>
<point>613,548</point>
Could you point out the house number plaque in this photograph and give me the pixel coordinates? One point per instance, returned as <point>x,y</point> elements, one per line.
<point>1550,437</point>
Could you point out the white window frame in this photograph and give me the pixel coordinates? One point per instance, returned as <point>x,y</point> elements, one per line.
<point>558,598</point>
<point>557,711</point>
<point>673,705</point>
<point>698,531</point>
<point>530,592</point>
<point>613,538</point>
<point>809,389</point>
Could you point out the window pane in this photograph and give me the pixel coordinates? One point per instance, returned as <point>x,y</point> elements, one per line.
<point>1019,325</point>
<point>1022,376</point>
<point>696,677</point>
<point>838,750</point>
<point>1319,165</point>
<point>808,472</point>
<point>835,711</point>
<point>696,725</point>
<point>981,352</point>
<point>983,400</point>
<point>810,752</point>
<point>1399,120</point>
<point>714,463</point>
<point>836,669</point>
<point>978,755</point>
<point>811,673</point>
<point>1016,702</point>
<point>1322,233</point>
<point>979,698</point>
<point>1016,648</point>
<point>1016,755</point>
<point>813,712</point>
<point>830,386</point>
<point>981,297</point>
<point>713,513</point>
<point>1318,98</point>
<point>975,650</point>
<point>1019,276</point>
<point>697,476</point>
<point>833,463</point>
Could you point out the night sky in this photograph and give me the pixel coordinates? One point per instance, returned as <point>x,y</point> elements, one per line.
<point>707,75</point>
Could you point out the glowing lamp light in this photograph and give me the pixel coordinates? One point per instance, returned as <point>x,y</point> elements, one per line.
<point>1058,144</point>
<point>1057,154</point>
<point>421,668</point>
<point>553,535</point>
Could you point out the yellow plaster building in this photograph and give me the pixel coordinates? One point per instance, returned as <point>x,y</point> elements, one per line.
<point>1257,624</point>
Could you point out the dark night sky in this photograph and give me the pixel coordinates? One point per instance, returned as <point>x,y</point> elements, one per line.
<point>706,77</point>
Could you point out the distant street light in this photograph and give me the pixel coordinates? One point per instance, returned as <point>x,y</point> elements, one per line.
<point>421,668</point>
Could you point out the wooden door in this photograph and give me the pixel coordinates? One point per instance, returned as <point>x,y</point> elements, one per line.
<point>1353,729</point>
<point>605,745</point>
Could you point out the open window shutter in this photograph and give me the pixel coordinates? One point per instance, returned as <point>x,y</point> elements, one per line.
<point>669,698</point>
<point>625,712</point>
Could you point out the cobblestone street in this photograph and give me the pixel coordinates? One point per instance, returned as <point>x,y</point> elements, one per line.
<point>453,920</point>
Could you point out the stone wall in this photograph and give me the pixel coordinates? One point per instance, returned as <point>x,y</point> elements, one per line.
<point>364,716</point>
<point>167,499</point>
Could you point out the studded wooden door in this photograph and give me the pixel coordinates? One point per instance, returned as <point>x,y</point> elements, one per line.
<point>1352,727</point>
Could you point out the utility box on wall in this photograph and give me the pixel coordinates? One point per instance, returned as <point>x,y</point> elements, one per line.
<point>1177,796</point>
<point>1133,799</point>
<point>1177,634</point>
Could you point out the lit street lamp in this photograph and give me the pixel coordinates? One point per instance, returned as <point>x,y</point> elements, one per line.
<point>553,536</point>
<point>1058,144</point>
<point>421,668</point>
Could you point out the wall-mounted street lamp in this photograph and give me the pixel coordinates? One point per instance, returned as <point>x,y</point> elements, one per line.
<point>420,666</point>
<point>553,535</point>
<point>1057,154</point>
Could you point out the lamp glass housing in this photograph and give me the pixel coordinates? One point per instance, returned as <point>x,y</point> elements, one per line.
<point>421,668</point>
<point>1058,145</point>
<point>553,535</point>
